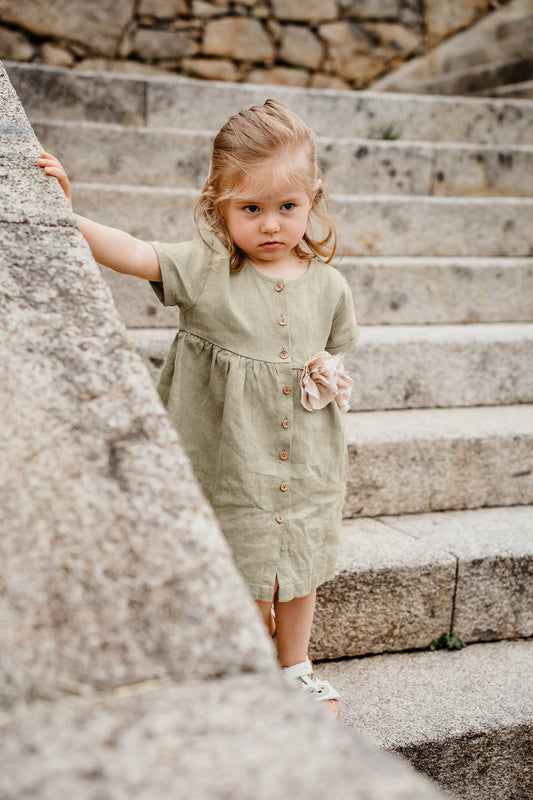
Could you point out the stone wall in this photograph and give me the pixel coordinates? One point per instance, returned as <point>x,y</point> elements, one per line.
<point>318,43</point>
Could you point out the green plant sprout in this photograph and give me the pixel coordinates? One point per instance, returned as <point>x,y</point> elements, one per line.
<point>447,642</point>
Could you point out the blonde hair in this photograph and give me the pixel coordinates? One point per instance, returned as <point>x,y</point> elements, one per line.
<point>248,140</point>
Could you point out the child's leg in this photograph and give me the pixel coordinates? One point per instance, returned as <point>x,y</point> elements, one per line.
<point>293,627</point>
<point>293,630</point>
<point>265,608</point>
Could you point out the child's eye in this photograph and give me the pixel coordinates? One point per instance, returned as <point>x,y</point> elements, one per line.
<point>287,206</point>
<point>251,209</point>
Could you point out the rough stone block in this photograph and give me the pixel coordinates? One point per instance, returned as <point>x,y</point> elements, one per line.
<point>496,171</point>
<point>390,593</point>
<point>438,226</point>
<point>155,45</point>
<point>99,25</point>
<point>14,45</point>
<point>92,594</point>
<point>464,718</point>
<point>238,737</point>
<point>241,38</point>
<point>494,550</point>
<point>440,290</point>
<point>434,459</point>
<point>305,10</point>
<point>442,18</point>
<point>72,95</point>
<point>300,47</point>
<point>441,365</point>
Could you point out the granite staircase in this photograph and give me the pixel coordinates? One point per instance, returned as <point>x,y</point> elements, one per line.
<point>435,201</point>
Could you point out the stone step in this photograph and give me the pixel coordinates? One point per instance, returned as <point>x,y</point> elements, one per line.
<point>179,102</point>
<point>520,91</point>
<point>465,718</point>
<point>99,152</point>
<point>395,290</point>
<point>368,225</point>
<point>418,366</point>
<point>473,78</point>
<point>419,460</point>
<point>403,581</point>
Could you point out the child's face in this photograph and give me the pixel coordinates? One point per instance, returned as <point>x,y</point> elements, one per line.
<point>268,218</point>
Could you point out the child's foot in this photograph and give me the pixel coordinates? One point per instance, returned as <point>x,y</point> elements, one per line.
<point>322,691</point>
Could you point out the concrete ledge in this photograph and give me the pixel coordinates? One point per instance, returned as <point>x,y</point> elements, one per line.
<point>465,717</point>
<point>165,102</point>
<point>436,459</point>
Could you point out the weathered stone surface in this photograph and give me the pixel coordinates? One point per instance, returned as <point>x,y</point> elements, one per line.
<point>162,9</point>
<point>445,17</point>
<point>205,9</point>
<point>237,737</point>
<point>88,449</point>
<point>504,33</point>
<point>279,76</point>
<point>186,103</point>
<point>218,69</point>
<point>56,56</point>
<point>359,166</point>
<point>373,9</point>
<point>99,24</point>
<point>300,47</point>
<point>437,226</point>
<point>305,10</point>
<point>418,460</point>
<point>350,52</point>
<point>391,592</point>
<point>14,45</point>
<point>474,79</point>
<point>465,718</point>
<point>494,550</point>
<point>237,37</point>
<point>154,45</point>
<point>441,365</point>
<point>440,290</point>
<point>72,95</point>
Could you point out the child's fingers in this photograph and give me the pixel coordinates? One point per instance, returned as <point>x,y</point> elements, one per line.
<point>52,166</point>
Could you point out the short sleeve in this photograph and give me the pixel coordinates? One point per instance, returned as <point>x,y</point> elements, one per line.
<point>344,331</point>
<point>184,271</point>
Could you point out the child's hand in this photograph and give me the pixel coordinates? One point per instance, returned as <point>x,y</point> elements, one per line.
<point>53,167</point>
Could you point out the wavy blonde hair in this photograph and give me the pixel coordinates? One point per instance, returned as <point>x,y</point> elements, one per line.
<point>251,139</point>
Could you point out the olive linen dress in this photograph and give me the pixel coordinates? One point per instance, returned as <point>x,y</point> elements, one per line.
<point>273,472</point>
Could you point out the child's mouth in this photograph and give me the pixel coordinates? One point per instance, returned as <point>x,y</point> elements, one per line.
<point>270,245</point>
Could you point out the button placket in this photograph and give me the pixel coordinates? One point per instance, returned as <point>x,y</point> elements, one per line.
<point>282,323</point>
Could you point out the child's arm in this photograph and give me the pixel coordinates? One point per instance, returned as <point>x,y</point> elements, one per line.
<point>112,247</point>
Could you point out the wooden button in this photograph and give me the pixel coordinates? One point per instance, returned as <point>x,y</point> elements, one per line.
<point>282,320</point>
<point>283,354</point>
<point>286,390</point>
<point>286,423</point>
<point>278,287</point>
<point>280,518</point>
<point>284,487</point>
<point>284,455</point>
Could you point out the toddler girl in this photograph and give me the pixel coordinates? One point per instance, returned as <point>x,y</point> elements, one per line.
<point>254,380</point>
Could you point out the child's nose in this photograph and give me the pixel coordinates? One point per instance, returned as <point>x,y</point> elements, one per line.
<point>270,223</point>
